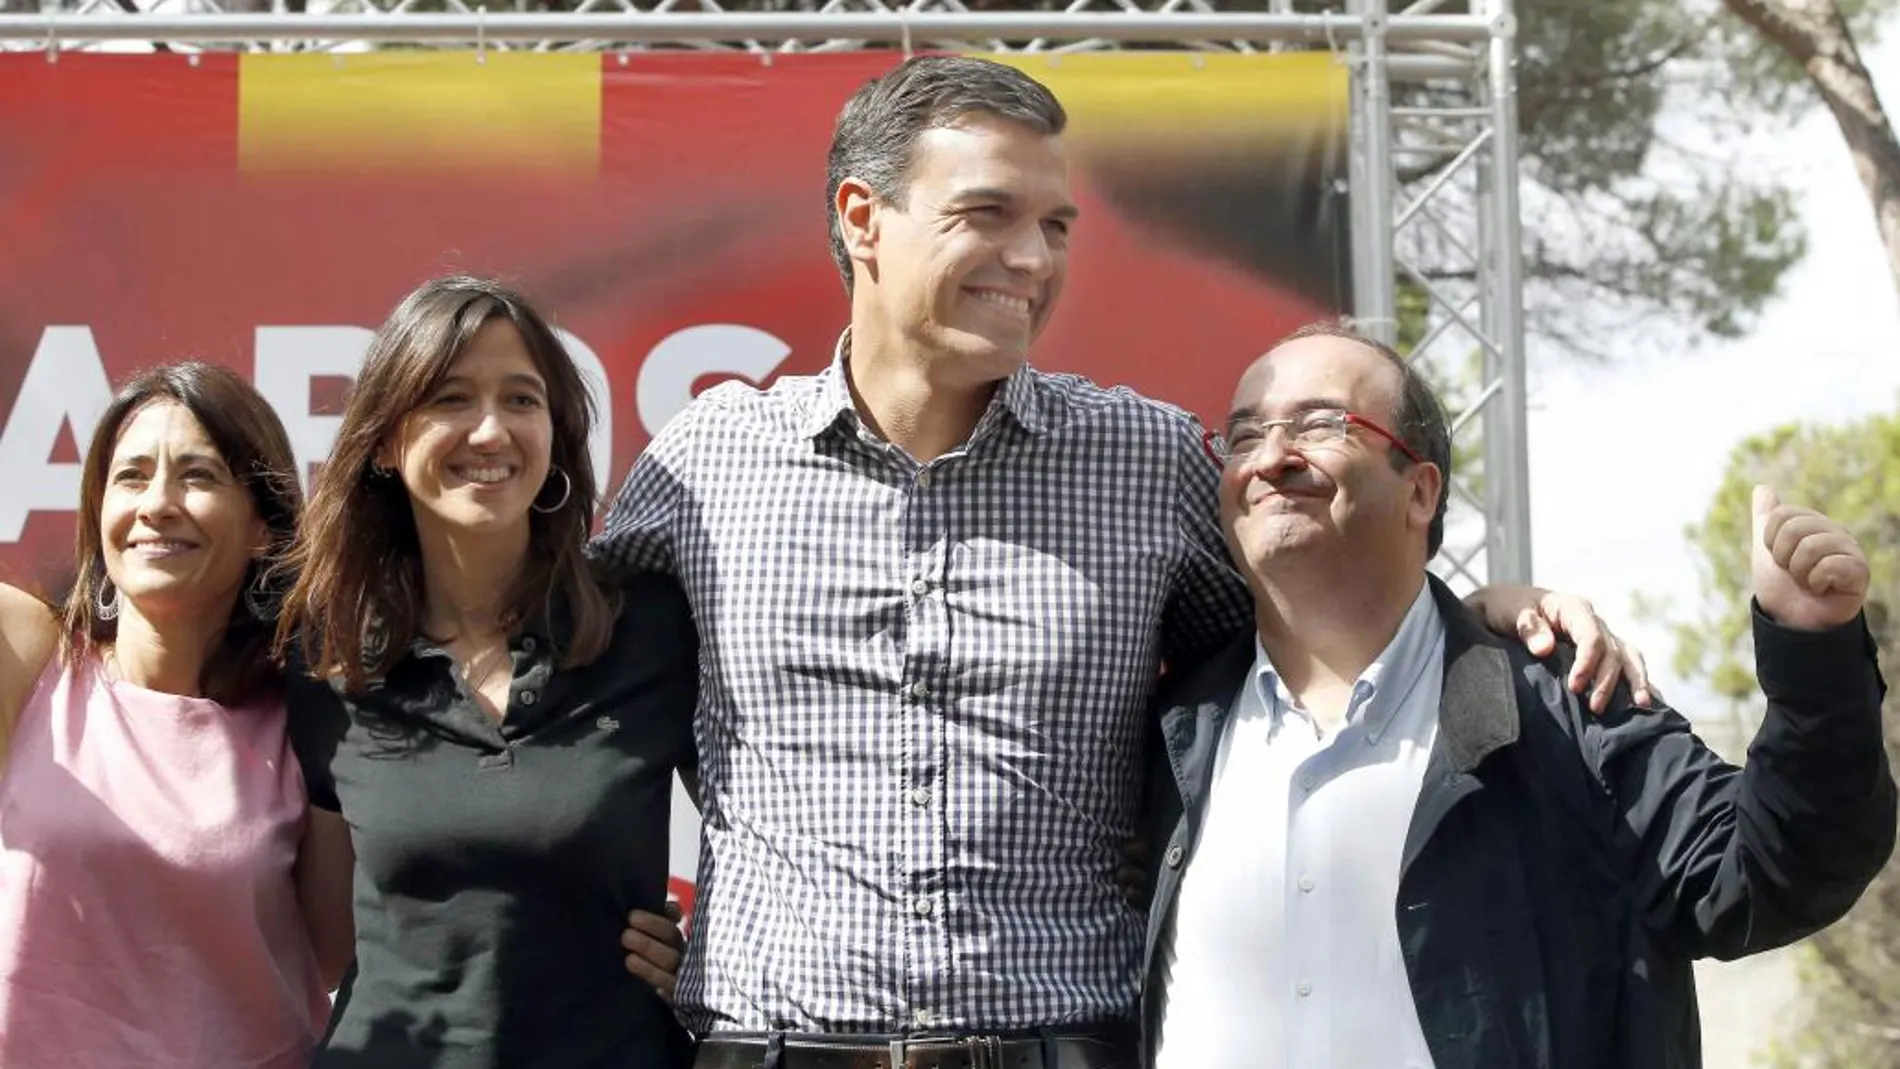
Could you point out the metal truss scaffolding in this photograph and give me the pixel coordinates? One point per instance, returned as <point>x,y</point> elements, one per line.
<point>1434,158</point>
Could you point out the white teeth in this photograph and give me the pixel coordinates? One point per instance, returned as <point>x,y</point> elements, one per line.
<point>485,475</point>
<point>1014,304</point>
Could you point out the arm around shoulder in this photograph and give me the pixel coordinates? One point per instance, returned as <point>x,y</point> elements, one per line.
<point>29,638</point>
<point>326,858</point>
<point>326,866</point>
<point>638,530</point>
<point>1208,603</point>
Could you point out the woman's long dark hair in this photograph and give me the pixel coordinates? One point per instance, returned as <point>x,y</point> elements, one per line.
<point>252,442</point>
<point>357,603</point>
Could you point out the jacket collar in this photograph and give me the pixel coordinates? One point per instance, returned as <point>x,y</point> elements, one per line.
<point>1477,710</point>
<point>1477,713</point>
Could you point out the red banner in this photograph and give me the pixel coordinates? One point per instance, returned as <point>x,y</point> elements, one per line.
<point>265,211</point>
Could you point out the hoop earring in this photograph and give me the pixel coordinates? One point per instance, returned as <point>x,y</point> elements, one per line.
<point>567,491</point>
<point>105,606</point>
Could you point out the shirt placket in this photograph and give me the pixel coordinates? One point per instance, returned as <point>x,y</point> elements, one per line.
<point>448,705</point>
<point>921,790</point>
<point>527,689</point>
<point>1305,890</point>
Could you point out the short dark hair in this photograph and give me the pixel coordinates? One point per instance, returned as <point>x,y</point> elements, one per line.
<point>253,445</point>
<point>1420,419</point>
<point>877,131</point>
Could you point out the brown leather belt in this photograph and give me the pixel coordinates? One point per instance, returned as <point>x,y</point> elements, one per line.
<point>796,1051</point>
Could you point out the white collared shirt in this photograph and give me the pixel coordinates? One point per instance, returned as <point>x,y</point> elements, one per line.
<point>1282,951</point>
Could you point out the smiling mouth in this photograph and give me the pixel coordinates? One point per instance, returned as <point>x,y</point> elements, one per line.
<point>1277,494</point>
<point>1018,305</point>
<point>161,547</point>
<point>488,476</point>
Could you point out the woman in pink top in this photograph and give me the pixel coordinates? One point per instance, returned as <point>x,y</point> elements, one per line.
<point>165,898</point>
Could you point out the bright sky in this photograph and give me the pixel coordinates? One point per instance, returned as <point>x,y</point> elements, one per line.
<point>1624,457</point>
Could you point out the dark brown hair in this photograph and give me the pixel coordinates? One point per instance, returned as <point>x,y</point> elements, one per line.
<point>1420,419</point>
<point>251,441</point>
<point>878,129</point>
<point>357,603</point>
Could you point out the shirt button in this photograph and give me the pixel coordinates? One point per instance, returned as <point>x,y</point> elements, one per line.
<point>922,907</point>
<point>924,1018</point>
<point>527,697</point>
<point>1175,854</point>
<point>1305,988</point>
<point>923,479</point>
<point>920,797</point>
<point>527,644</point>
<point>920,689</point>
<point>1306,883</point>
<point>1306,782</point>
<point>919,587</point>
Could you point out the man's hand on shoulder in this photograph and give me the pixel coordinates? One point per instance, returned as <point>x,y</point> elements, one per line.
<point>1538,616</point>
<point>1809,573</point>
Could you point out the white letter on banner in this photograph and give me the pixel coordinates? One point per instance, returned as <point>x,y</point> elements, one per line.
<point>600,447</point>
<point>65,383</point>
<point>666,379</point>
<point>287,358</point>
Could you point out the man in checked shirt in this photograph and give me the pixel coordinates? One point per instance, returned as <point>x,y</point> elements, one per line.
<point>934,587</point>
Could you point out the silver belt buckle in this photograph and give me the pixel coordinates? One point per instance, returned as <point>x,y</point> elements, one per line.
<point>986,1052</point>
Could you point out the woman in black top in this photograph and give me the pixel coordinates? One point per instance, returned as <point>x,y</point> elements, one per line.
<point>497,724</point>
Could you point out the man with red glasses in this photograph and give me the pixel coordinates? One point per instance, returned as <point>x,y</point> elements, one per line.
<point>1390,839</point>
<point>933,586</point>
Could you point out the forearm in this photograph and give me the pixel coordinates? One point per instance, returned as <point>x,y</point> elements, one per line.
<point>326,864</point>
<point>1817,773</point>
<point>1736,861</point>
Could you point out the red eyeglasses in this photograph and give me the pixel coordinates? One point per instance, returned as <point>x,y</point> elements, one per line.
<point>1318,428</point>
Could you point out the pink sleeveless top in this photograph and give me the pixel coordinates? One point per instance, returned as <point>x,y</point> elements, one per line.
<point>148,916</point>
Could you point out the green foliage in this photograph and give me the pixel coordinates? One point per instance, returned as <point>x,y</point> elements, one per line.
<point>1630,130</point>
<point>1760,77</point>
<point>1851,472</point>
<point>1851,972</point>
<point>1632,118</point>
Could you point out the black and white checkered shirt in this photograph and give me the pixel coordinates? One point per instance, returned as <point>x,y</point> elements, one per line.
<point>922,690</point>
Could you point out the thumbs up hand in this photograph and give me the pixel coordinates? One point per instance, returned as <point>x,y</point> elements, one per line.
<point>1809,572</point>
